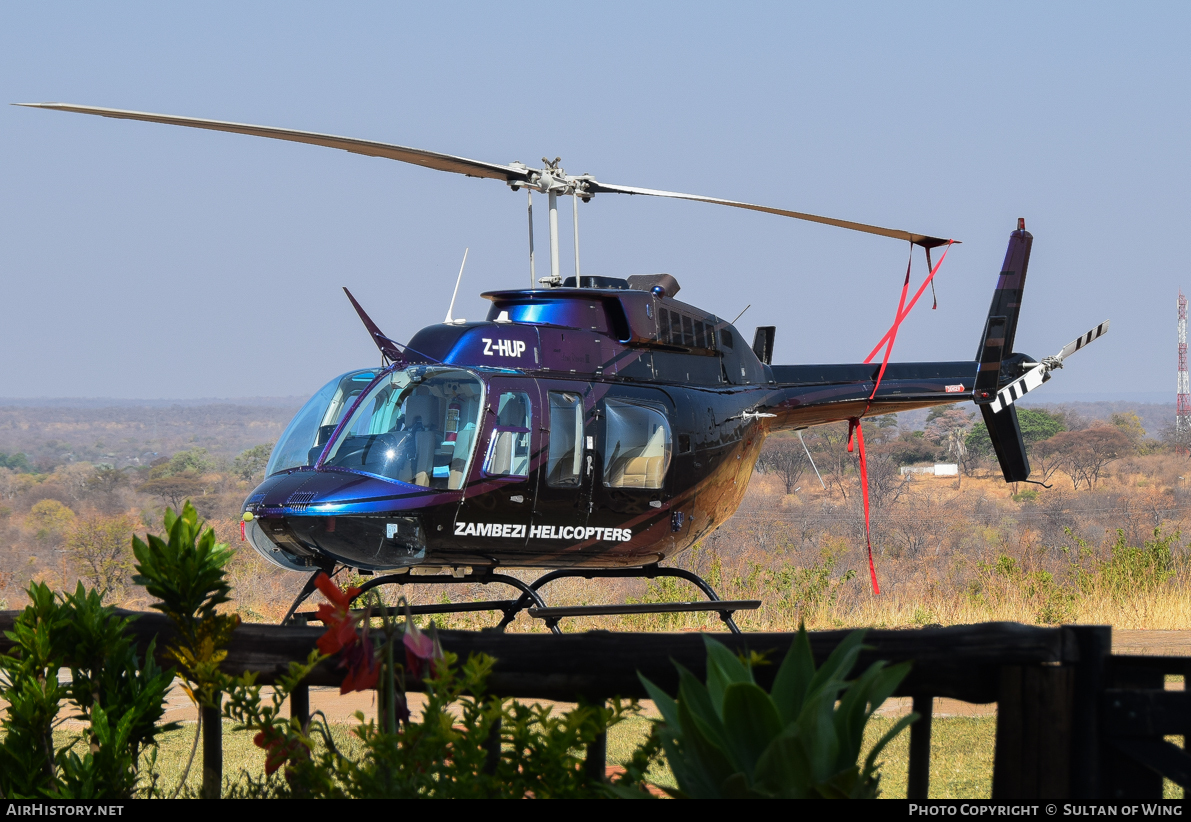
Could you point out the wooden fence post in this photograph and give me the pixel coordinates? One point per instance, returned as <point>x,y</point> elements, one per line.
<point>1033,753</point>
<point>299,704</point>
<point>597,752</point>
<point>492,748</point>
<point>1094,644</point>
<point>1124,776</point>
<point>918,783</point>
<point>213,748</point>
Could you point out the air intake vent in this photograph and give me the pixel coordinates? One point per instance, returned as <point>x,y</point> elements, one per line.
<point>299,501</point>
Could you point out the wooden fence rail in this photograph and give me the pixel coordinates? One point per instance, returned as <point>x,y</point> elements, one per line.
<point>1061,732</point>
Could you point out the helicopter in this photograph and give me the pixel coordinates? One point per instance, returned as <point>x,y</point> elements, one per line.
<point>589,426</point>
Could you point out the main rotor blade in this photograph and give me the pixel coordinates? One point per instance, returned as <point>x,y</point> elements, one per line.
<point>460,165</point>
<point>917,239</point>
<point>416,156</point>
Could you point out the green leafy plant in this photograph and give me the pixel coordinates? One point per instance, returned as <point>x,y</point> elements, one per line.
<point>466,744</point>
<point>728,738</point>
<point>118,697</point>
<point>185,573</point>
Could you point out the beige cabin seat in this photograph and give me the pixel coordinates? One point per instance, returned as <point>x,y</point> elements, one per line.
<point>424,461</point>
<point>502,456</point>
<point>638,472</point>
<point>459,456</point>
<point>642,467</point>
<point>405,468</point>
<point>423,408</point>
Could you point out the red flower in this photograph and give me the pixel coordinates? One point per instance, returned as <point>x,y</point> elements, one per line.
<point>277,749</point>
<point>355,650</point>
<point>337,616</point>
<point>420,647</point>
<point>362,668</point>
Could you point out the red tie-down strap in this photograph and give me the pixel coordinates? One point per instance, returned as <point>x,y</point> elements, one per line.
<point>901,314</point>
<point>854,427</point>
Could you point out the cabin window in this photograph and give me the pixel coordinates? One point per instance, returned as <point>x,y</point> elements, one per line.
<point>508,447</point>
<point>637,445</point>
<point>564,312</point>
<point>564,462</point>
<point>675,328</point>
<point>416,425</point>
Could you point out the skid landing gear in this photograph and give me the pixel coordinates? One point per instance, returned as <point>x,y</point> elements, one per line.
<point>531,601</point>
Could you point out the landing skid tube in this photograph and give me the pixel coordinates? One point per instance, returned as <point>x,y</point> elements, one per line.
<point>531,601</point>
<point>551,616</point>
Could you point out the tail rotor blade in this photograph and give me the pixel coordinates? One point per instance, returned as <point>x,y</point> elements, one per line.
<point>1040,372</point>
<point>1076,344</point>
<point>1017,389</point>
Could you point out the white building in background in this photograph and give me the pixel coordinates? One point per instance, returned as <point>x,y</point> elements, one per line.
<point>939,469</point>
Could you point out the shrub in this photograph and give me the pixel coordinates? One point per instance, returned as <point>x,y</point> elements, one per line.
<point>495,748</point>
<point>118,695</point>
<point>728,738</point>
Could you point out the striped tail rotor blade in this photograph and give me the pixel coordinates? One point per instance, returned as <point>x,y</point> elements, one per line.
<point>1073,346</point>
<point>1017,389</point>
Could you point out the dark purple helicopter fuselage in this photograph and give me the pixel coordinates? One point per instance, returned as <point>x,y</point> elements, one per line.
<point>588,364</point>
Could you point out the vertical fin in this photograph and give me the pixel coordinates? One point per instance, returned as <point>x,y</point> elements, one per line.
<point>1005,433</point>
<point>1006,301</point>
<point>996,345</point>
<point>991,353</point>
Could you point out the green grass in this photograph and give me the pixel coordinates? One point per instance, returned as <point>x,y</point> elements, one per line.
<point>961,756</point>
<point>240,756</point>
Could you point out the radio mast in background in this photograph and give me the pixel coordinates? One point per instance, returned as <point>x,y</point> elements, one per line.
<point>1182,420</point>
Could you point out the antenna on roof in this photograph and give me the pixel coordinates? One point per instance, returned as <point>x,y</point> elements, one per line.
<point>533,282</point>
<point>459,279</point>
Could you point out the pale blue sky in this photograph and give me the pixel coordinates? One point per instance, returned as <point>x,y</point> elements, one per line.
<point>140,260</point>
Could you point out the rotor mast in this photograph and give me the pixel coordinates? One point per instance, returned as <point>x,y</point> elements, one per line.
<point>552,180</point>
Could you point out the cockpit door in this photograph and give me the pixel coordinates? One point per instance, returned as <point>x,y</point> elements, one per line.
<point>568,466</point>
<point>500,491</point>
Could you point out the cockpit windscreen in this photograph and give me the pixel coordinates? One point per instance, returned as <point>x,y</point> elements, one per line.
<point>417,425</point>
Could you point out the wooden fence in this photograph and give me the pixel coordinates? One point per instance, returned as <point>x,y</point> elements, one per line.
<point>1073,721</point>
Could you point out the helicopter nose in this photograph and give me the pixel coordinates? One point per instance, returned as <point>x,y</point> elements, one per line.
<point>320,493</point>
<point>345,517</point>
